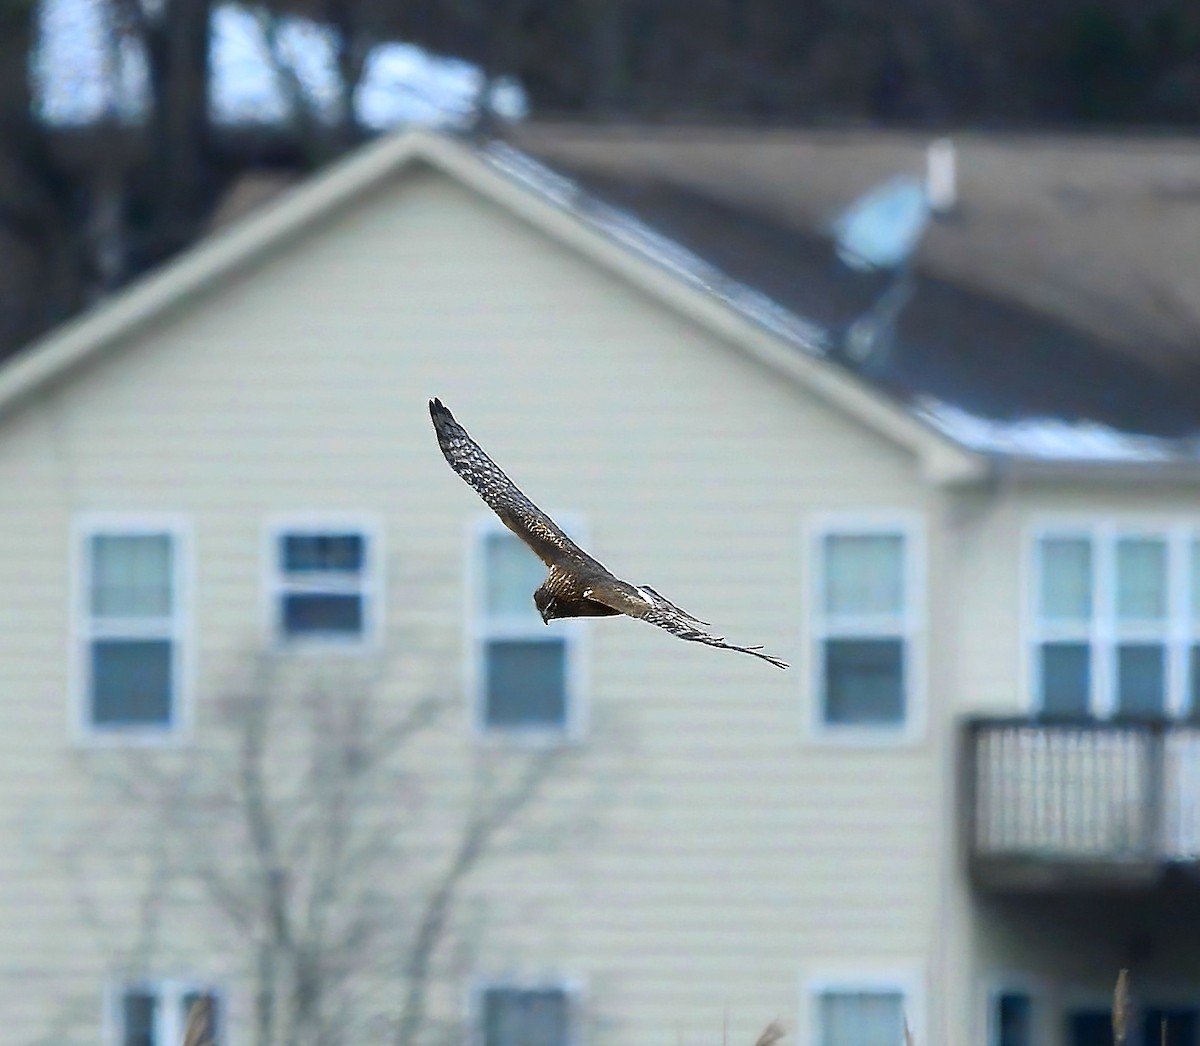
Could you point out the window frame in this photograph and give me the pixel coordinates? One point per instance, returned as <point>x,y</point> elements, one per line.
<point>479,631</point>
<point>1104,632</point>
<point>907,980</point>
<point>83,632</point>
<point>571,987</point>
<point>172,1021</point>
<point>371,587</point>
<point>1004,983</point>
<point>910,526</point>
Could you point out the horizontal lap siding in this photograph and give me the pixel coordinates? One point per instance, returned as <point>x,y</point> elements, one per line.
<point>724,851</point>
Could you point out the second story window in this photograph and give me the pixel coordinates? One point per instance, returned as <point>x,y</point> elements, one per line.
<point>864,623</point>
<point>131,625</point>
<point>1115,622</point>
<point>524,669</point>
<point>325,591</point>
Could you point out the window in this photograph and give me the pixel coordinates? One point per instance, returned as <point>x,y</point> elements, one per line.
<point>1170,1025</point>
<point>131,625</point>
<point>526,671</point>
<point>864,624</point>
<point>324,583</point>
<point>525,1016</point>
<point>1091,1027</point>
<point>156,1014</point>
<point>1011,1019</point>
<point>859,1016</point>
<point>1115,621</point>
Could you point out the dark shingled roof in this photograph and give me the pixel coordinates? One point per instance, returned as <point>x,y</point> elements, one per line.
<point>962,339</point>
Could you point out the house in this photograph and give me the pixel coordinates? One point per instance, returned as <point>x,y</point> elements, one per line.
<point>969,803</point>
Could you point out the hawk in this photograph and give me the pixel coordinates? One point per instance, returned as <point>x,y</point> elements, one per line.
<point>578,585</point>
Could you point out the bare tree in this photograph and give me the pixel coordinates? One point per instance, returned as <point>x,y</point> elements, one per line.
<point>301,823</point>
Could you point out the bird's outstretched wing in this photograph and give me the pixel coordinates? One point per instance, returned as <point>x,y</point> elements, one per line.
<point>503,497</point>
<point>644,603</point>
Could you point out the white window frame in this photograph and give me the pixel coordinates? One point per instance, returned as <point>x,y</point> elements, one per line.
<point>1103,633</point>
<point>571,987</point>
<point>85,629</point>
<point>480,630</point>
<point>906,980</point>
<point>172,1020</point>
<point>370,586</point>
<point>912,631</point>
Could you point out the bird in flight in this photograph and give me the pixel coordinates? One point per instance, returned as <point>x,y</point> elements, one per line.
<point>577,585</point>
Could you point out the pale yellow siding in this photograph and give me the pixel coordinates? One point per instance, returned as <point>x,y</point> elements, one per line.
<point>731,856</point>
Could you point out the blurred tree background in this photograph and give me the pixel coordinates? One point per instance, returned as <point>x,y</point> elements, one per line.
<point>85,208</point>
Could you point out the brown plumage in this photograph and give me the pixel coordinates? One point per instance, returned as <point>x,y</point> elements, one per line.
<point>578,585</point>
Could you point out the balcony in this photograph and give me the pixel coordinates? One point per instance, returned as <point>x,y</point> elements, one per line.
<point>1101,804</point>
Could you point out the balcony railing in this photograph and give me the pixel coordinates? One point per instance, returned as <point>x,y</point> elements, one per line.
<point>1049,802</point>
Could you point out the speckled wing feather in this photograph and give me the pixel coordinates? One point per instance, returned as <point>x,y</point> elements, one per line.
<point>644,603</point>
<point>502,496</point>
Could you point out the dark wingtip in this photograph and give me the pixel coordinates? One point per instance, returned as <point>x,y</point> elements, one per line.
<point>440,414</point>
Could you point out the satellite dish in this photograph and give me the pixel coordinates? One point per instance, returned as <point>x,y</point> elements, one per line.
<point>882,228</point>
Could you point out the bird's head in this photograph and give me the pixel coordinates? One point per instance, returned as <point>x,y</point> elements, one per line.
<point>547,605</point>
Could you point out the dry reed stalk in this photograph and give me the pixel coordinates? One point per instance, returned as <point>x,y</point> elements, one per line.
<point>197,1024</point>
<point>772,1034</point>
<point>1120,1011</point>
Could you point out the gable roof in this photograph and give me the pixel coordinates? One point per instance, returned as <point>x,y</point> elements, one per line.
<point>1098,230</point>
<point>987,342</point>
<point>739,314</point>
<point>1009,379</point>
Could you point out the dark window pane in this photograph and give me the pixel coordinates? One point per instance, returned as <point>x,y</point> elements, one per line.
<point>1141,679</point>
<point>1171,1026</point>
<point>864,681</point>
<point>307,553</point>
<point>1089,1028</point>
<point>210,1016</point>
<point>526,683</point>
<point>322,613</point>
<point>525,1018</point>
<point>138,1011</point>
<point>1013,1020</point>
<point>131,682</point>
<point>1066,678</point>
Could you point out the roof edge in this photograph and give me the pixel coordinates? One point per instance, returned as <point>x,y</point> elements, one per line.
<point>210,259</point>
<point>942,461</point>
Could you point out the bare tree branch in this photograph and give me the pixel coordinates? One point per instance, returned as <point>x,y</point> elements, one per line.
<point>482,827</point>
<point>289,817</point>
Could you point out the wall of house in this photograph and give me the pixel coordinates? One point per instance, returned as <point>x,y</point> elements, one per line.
<point>727,855</point>
<point>1067,947</point>
<point>993,530</point>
